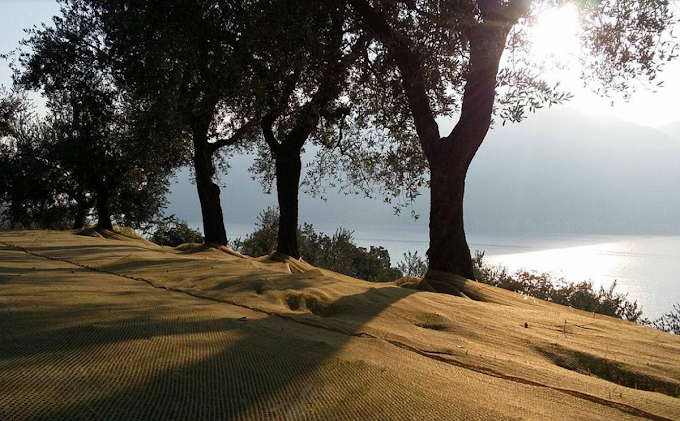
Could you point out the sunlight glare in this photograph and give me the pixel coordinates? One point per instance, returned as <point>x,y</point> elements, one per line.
<point>556,33</point>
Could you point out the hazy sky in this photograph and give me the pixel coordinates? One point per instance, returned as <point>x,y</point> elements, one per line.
<point>645,108</point>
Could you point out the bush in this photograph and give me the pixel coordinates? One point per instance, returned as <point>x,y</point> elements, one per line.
<point>669,322</point>
<point>263,240</point>
<point>413,265</point>
<point>170,231</point>
<point>582,295</point>
<point>4,222</point>
<point>338,253</point>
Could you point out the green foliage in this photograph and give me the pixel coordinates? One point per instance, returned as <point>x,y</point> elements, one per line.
<point>170,231</point>
<point>306,66</point>
<point>11,105</point>
<point>263,240</point>
<point>36,193</point>
<point>413,265</point>
<point>338,253</point>
<point>184,60</point>
<point>96,138</point>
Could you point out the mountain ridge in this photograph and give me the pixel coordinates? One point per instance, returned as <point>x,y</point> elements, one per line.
<point>558,171</point>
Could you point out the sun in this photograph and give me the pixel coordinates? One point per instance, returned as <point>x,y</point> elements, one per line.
<point>555,35</point>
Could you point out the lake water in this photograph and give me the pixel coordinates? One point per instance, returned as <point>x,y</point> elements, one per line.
<point>645,267</point>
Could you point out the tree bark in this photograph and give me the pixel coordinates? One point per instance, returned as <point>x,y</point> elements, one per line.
<point>288,170</point>
<point>79,217</point>
<point>103,212</point>
<point>208,191</point>
<point>449,250</point>
<point>451,156</point>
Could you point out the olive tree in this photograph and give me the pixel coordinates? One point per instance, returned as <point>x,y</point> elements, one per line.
<point>443,58</point>
<point>182,58</point>
<point>96,130</point>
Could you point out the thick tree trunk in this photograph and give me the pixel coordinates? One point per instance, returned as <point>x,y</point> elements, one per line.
<point>450,157</point>
<point>449,251</point>
<point>208,191</point>
<point>288,169</point>
<point>103,212</point>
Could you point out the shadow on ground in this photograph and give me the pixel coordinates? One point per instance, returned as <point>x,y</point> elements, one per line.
<point>171,361</point>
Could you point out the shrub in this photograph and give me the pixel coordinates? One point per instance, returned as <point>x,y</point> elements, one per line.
<point>669,322</point>
<point>262,241</point>
<point>413,265</point>
<point>581,295</point>
<point>170,231</point>
<point>338,253</point>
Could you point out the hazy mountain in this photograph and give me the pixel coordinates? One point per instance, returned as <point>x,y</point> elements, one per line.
<point>558,171</point>
<point>563,171</point>
<point>672,129</point>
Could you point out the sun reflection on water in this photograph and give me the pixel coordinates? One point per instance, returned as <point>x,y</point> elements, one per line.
<point>648,269</point>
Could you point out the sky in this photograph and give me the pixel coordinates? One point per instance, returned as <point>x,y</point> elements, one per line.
<point>556,37</point>
<point>15,16</point>
<point>646,108</point>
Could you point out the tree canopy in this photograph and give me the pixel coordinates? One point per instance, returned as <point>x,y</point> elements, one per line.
<point>442,57</point>
<point>137,88</point>
<point>97,139</point>
<point>181,59</point>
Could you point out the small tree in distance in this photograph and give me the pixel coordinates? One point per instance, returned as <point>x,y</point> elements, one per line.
<point>170,231</point>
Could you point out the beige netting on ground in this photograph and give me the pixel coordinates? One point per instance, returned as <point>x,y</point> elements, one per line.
<point>85,335</point>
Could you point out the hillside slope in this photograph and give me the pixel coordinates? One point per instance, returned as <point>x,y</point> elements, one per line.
<point>85,335</point>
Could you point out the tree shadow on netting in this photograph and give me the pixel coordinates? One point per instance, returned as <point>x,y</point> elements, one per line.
<point>195,369</point>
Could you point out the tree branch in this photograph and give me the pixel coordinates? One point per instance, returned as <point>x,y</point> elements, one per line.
<point>495,13</point>
<point>236,137</point>
<point>307,116</point>
<point>486,44</point>
<point>409,65</point>
<point>331,85</point>
<point>267,124</point>
<point>332,115</point>
<point>276,108</point>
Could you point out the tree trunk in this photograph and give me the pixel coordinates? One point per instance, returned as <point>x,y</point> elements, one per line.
<point>80,216</point>
<point>208,191</point>
<point>288,169</point>
<point>449,251</point>
<point>450,157</point>
<point>103,212</point>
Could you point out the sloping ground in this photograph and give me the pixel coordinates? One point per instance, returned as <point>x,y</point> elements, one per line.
<point>85,335</point>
